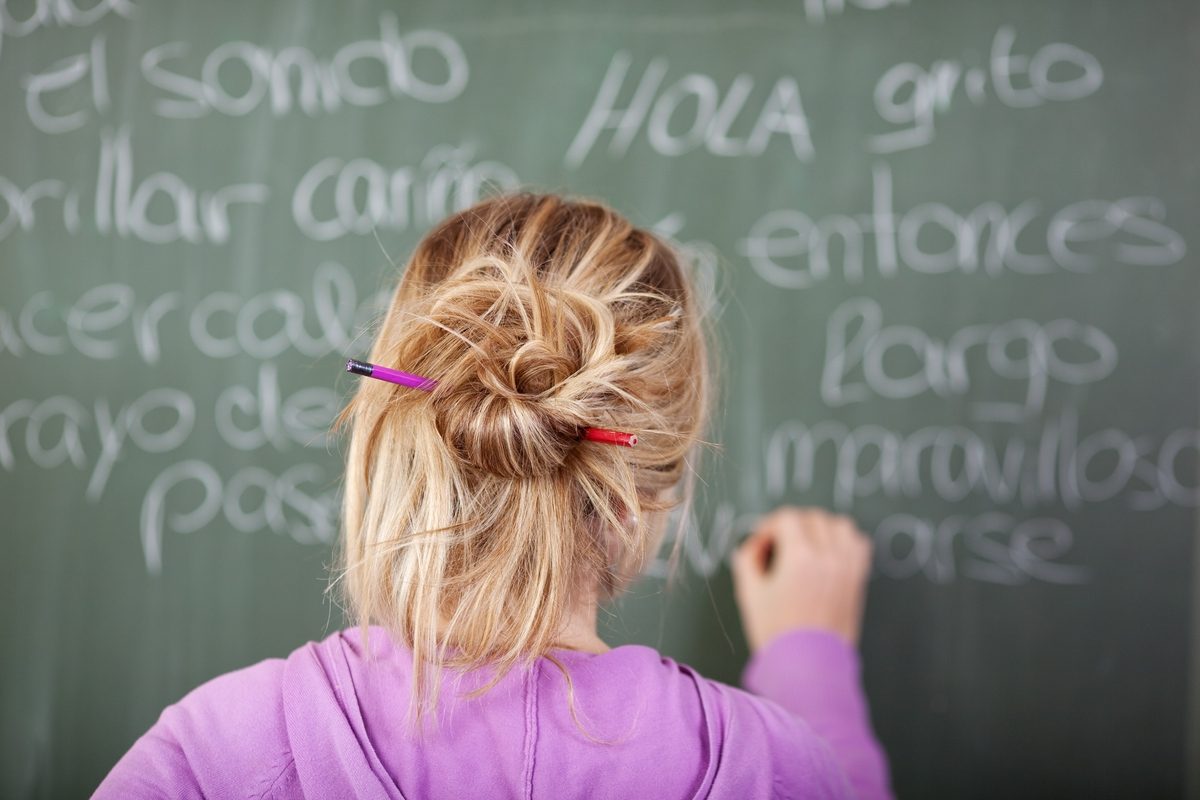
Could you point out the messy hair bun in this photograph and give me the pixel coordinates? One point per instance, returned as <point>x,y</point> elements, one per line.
<point>529,376</point>
<point>475,517</point>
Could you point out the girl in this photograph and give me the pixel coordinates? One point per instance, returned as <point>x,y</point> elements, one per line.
<point>483,524</point>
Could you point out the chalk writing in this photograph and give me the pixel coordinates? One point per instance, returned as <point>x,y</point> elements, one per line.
<point>708,126</point>
<point>266,77</point>
<point>365,196</point>
<point>57,431</point>
<point>1033,354</point>
<point>1060,466</point>
<point>57,13</point>
<point>109,321</point>
<point>789,249</point>
<point>817,11</point>
<point>248,419</point>
<point>1015,457</point>
<point>91,66</point>
<point>993,547</point>
<point>911,96</point>
<point>291,503</point>
<point>238,78</point>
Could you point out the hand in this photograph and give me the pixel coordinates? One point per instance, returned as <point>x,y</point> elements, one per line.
<point>801,568</point>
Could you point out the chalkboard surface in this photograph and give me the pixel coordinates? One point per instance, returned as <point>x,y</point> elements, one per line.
<point>948,245</point>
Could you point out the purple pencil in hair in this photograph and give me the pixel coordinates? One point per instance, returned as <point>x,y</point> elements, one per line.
<point>390,375</point>
<point>429,384</point>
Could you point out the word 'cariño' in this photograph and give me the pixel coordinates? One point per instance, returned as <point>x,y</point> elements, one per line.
<point>278,80</point>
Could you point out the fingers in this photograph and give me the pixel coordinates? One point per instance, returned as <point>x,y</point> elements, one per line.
<point>803,532</point>
<point>790,533</point>
<point>854,546</point>
<point>801,568</point>
<point>852,549</point>
<point>750,559</point>
<point>807,532</point>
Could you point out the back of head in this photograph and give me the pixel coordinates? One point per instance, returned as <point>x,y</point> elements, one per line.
<point>475,518</point>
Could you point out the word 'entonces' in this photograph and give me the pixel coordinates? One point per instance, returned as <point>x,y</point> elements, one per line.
<point>791,250</point>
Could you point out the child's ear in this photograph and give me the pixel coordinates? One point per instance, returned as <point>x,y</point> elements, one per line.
<point>629,518</point>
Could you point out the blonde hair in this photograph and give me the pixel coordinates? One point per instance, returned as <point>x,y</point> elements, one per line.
<point>475,519</point>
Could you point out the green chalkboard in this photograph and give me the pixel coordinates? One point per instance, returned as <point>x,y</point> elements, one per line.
<point>949,246</point>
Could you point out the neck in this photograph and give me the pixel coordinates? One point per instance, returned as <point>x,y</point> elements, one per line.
<point>579,631</point>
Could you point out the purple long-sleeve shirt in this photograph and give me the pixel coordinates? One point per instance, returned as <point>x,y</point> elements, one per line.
<point>327,722</point>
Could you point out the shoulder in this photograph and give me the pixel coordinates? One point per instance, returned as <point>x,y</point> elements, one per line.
<point>226,737</point>
<point>677,724</point>
<point>765,746</point>
<point>242,706</point>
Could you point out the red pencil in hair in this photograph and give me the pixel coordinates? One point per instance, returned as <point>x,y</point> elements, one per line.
<point>428,384</point>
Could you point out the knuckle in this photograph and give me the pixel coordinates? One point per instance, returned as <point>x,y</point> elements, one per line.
<point>844,523</point>
<point>791,517</point>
